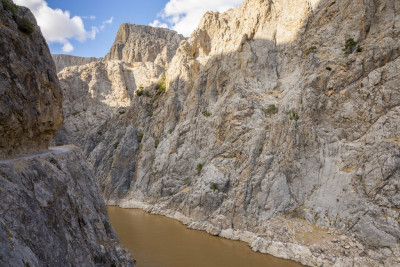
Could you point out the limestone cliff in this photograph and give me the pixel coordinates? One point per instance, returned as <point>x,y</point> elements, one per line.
<point>52,213</point>
<point>30,95</point>
<point>51,209</point>
<point>279,127</point>
<point>63,61</point>
<point>138,43</point>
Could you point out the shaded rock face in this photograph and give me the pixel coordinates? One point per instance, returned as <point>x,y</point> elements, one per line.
<point>138,43</point>
<point>279,127</point>
<point>63,61</point>
<point>30,95</point>
<point>52,212</point>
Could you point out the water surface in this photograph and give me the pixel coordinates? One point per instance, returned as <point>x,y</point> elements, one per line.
<point>160,241</point>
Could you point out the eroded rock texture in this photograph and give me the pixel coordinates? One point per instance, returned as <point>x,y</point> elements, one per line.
<point>138,43</point>
<point>51,209</point>
<point>280,126</point>
<point>63,61</point>
<point>52,213</point>
<point>30,95</point>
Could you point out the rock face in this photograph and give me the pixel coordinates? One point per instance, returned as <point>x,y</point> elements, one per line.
<point>51,212</point>
<point>280,126</point>
<point>30,95</point>
<point>137,43</point>
<point>63,61</point>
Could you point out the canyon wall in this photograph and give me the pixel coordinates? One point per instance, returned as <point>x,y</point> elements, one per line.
<point>279,126</point>
<point>51,209</point>
<point>63,61</point>
<point>30,95</point>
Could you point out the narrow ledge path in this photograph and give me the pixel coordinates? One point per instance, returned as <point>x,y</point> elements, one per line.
<point>52,151</point>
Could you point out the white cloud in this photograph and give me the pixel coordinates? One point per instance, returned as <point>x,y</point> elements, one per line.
<point>158,24</point>
<point>89,17</point>
<point>185,15</point>
<point>58,26</point>
<point>104,23</point>
<point>68,48</point>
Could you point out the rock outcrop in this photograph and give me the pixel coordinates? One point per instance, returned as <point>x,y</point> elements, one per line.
<point>52,213</point>
<point>51,210</point>
<point>63,61</point>
<point>279,126</point>
<point>138,43</point>
<point>30,95</point>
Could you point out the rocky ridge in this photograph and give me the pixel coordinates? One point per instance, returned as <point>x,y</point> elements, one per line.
<point>279,127</point>
<point>26,72</point>
<point>138,43</point>
<point>51,210</point>
<point>63,61</point>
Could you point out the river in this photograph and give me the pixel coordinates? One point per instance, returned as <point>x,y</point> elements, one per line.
<point>160,241</point>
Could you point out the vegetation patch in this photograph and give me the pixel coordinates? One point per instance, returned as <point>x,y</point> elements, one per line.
<point>25,26</point>
<point>214,187</point>
<point>9,5</point>
<point>271,109</point>
<point>140,136</point>
<point>311,49</point>
<point>328,68</point>
<point>139,92</point>
<point>99,132</point>
<point>351,45</point>
<point>199,167</point>
<point>293,116</point>
<point>170,131</point>
<point>206,114</point>
<point>156,143</point>
<point>161,86</point>
<point>116,145</point>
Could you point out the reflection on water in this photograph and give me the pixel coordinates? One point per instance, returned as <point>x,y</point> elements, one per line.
<point>159,241</point>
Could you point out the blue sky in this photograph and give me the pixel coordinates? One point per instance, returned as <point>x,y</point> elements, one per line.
<point>88,27</point>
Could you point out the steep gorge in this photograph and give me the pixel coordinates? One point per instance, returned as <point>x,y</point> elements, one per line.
<point>279,127</point>
<point>51,209</point>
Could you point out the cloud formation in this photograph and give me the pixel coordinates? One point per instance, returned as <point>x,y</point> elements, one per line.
<point>58,26</point>
<point>184,16</point>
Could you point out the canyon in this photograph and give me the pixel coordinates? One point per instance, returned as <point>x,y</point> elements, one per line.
<point>51,209</point>
<point>276,123</point>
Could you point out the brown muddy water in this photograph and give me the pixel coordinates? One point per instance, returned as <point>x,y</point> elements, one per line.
<point>156,241</point>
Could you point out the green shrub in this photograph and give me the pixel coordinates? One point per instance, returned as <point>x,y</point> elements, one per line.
<point>99,132</point>
<point>75,113</point>
<point>359,49</point>
<point>139,92</point>
<point>349,46</point>
<point>328,68</point>
<point>161,85</point>
<point>294,116</point>
<point>199,167</point>
<point>311,49</point>
<point>122,112</point>
<point>156,143</point>
<point>206,114</point>
<point>214,186</point>
<point>9,5</point>
<point>150,114</point>
<point>170,131</point>
<point>147,94</point>
<point>94,113</point>
<point>116,145</point>
<point>139,137</point>
<point>25,26</point>
<point>271,109</point>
